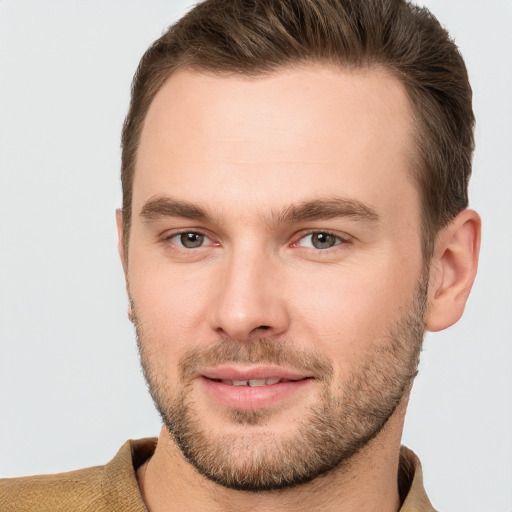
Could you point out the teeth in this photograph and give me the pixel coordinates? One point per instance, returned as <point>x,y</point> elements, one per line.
<point>253,383</point>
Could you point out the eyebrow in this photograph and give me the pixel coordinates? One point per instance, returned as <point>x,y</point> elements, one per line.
<point>317,209</point>
<point>323,209</point>
<point>167,207</point>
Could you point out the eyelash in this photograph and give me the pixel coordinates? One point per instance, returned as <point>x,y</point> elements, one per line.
<point>167,239</point>
<point>339,240</point>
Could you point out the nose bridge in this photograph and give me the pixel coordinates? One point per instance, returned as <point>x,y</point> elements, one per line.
<point>249,301</point>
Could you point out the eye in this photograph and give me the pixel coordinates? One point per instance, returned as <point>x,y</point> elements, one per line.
<point>320,240</point>
<point>190,240</point>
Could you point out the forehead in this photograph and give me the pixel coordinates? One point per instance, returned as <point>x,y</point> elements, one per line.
<point>295,134</point>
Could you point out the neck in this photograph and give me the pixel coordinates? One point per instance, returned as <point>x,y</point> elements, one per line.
<point>366,483</point>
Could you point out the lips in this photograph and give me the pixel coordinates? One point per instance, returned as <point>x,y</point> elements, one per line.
<point>251,388</point>
<point>254,383</point>
<point>236,373</point>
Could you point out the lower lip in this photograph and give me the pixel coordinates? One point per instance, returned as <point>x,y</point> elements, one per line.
<point>246,397</point>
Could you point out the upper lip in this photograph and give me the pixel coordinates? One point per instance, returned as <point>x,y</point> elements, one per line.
<point>228,372</point>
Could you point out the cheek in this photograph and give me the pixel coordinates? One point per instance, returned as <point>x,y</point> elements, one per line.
<point>170,301</point>
<point>349,311</point>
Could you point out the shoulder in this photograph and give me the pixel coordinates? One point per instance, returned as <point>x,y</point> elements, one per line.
<point>99,489</point>
<point>76,490</point>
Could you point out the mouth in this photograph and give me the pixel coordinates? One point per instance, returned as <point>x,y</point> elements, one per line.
<point>254,383</point>
<point>252,388</point>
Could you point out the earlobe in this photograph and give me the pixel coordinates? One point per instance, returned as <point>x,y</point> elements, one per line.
<point>453,270</point>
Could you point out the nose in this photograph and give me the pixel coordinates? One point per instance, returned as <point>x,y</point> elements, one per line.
<point>250,299</point>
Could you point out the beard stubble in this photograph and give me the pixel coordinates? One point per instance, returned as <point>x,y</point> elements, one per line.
<point>336,427</point>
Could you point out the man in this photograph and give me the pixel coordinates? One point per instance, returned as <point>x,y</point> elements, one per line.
<point>294,217</point>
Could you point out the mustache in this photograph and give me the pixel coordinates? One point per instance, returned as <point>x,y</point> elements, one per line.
<point>257,351</point>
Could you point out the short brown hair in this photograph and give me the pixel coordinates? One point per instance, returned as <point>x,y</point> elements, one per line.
<point>254,37</point>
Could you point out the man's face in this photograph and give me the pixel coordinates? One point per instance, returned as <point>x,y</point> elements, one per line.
<point>275,268</point>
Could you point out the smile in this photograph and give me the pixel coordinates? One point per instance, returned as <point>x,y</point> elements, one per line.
<point>254,388</point>
<point>254,383</point>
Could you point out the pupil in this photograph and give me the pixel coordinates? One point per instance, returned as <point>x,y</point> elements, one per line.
<point>191,240</point>
<point>323,240</point>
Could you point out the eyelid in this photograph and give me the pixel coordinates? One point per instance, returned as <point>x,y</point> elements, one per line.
<point>167,236</point>
<point>343,237</point>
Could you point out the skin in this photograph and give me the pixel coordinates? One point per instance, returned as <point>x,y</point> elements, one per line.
<point>245,151</point>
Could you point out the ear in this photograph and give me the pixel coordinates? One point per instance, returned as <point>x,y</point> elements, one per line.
<point>120,240</point>
<point>453,270</point>
<point>123,256</point>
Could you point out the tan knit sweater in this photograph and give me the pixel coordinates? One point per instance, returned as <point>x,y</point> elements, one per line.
<point>113,487</point>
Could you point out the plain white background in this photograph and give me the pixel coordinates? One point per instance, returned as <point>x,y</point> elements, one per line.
<point>71,391</point>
